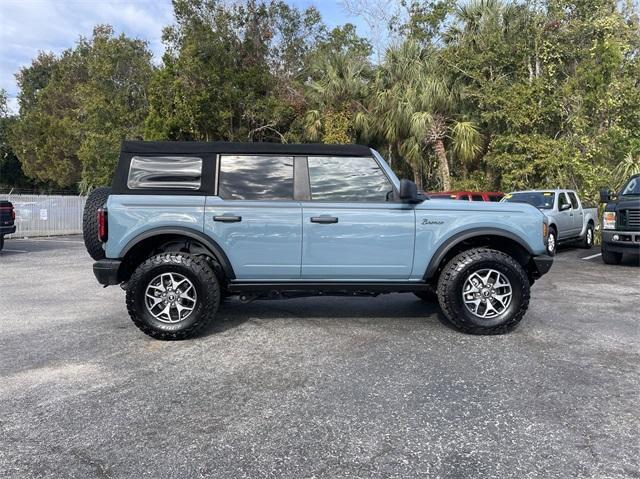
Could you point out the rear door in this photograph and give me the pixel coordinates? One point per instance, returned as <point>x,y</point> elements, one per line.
<point>254,216</point>
<point>578,214</point>
<point>352,226</point>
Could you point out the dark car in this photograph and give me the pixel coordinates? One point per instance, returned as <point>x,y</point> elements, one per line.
<point>621,222</point>
<point>494,196</point>
<point>7,220</point>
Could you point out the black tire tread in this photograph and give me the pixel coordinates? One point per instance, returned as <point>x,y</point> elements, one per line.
<point>456,266</point>
<point>200,268</point>
<point>610,257</point>
<point>96,200</point>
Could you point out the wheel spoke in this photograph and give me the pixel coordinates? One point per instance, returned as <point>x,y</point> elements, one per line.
<point>170,297</point>
<point>487,293</point>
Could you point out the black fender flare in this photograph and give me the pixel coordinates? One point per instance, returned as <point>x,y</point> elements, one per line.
<point>458,238</point>
<point>215,249</point>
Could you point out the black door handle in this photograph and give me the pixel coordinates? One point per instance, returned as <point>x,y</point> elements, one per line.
<point>324,220</point>
<point>227,218</point>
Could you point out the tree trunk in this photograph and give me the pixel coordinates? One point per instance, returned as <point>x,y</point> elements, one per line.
<point>417,178</point>
<point>443,165</point>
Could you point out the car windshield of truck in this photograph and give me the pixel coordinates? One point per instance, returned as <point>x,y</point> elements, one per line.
<point>543,200</point>
<point>632,188</point>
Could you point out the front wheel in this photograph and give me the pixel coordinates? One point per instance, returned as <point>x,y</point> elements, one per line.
<point>483,291</point>
<point>609,257</point>
<point>173,296</point>
<point>552,241</point>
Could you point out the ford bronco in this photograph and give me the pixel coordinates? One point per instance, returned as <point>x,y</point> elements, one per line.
<point>188,223</point>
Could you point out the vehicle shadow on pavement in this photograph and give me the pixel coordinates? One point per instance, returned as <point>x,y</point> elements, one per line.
<point>233,312</point>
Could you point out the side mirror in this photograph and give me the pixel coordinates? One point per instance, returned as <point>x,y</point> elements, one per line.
<point>606,196</point>
<point>565,207</point>
<point>408,191</point>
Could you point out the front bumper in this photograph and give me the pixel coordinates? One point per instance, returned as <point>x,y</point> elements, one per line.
<point>107,271</point>
<point>7,230</point>
<point>621,241</point>
<point>540,265</point>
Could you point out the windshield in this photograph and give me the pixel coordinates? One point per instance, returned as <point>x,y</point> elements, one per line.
<point>540,199</point>
<point>632,187</point>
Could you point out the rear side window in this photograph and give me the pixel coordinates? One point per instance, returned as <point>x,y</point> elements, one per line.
<point>245,177</point>
<point>349,179</point>
<point>573,199</point>
<point>464,198</point>
<point>477,198</point>
<point>165,172</point>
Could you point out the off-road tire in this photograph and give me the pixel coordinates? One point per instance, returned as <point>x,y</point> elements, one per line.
<point>609,257</point>
<point>204,280</point>
<point>451,282</point>
<point>587,241</point>
<point>95,201</point>
<point>552,232</point>
<point>429,295</point>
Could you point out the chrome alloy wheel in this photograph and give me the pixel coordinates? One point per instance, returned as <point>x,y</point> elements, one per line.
<point>589,236</point>
<point>170,298</point>
<point>487,293</point>
<point>551,243</point>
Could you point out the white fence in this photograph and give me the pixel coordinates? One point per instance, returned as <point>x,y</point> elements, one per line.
<point>47,215</point>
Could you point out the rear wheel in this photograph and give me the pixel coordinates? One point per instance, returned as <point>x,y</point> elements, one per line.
<point>587,241</point>
<point>609,257</point>
<point>173,296</point>
<point>95,201</point>
<point>483,291</point>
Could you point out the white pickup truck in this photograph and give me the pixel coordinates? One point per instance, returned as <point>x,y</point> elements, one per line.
<point>569,220</point>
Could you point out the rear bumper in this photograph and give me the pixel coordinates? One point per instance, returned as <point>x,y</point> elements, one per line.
<point>7,230</point>
<point>107,271</point>
<point>540,265</point>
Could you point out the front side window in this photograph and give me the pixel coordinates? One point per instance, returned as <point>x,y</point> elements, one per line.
<point>349,179</point>
<point>478,198</point>
<point>165,172</point>
<point>562,201</point>
<point>248,177</point>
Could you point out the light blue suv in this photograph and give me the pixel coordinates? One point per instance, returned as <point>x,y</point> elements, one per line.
<point>188,223</point>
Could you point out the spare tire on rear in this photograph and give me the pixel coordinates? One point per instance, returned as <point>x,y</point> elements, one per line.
<point>95,201</point>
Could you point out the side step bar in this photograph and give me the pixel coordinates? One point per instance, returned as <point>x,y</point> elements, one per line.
<point>322,287</point>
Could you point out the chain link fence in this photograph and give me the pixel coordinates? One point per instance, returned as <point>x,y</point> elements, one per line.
<point>47,215</point>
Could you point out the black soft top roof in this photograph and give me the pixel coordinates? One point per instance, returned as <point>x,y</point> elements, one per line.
<point>182,147</point>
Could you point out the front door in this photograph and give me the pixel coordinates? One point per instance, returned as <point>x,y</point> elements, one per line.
<point>565,217</point>
<point>352,227</point>
<point>254,217</point>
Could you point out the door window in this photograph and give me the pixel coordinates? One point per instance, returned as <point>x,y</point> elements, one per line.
<point>245,177</point>
<point>562,200</point>
<point>477,198</point>
<point>347,179</point>
<point>574,200</point>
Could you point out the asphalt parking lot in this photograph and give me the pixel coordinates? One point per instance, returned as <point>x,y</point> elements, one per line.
<point>316,387</point>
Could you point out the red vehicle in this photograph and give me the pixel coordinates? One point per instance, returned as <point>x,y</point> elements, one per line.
<point>466,195</point>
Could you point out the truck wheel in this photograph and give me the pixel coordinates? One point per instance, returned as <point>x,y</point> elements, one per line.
<point>552,241</point>
<point>96,200</point>
<point>587,241</point>
<point>609,257</point>
<point>483,291</point>
<point>173,296</point>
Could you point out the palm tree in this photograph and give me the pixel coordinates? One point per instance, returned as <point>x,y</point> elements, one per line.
<point>416,109</point>
<point>338,90</point>
<point>628,167</point>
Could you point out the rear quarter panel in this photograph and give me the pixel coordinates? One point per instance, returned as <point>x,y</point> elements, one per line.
<point>132,215</point>
<point>438,221</point>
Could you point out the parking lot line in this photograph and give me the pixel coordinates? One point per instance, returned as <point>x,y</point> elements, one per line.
<point>592,256</point>
<point>14,251</point>
<point>45,240</point>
